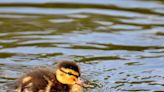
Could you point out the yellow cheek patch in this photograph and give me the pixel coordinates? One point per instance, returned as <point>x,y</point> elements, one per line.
<point>70,71</point>
<point>64,78</point>
<point>26,79</point>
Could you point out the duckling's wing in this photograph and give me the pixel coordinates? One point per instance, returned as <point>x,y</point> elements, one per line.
<point>35,81</point>
<point>49,85</point>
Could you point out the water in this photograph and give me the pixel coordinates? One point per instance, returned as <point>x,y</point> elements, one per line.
<point>119,45</point>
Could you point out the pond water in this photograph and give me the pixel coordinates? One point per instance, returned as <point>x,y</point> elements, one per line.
<point>119,44</point>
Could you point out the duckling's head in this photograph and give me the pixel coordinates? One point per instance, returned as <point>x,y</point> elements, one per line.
<point>68,73</point>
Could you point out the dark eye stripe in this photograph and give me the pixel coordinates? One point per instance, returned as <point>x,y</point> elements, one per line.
<point>69,73</point>
<point>72,74</point>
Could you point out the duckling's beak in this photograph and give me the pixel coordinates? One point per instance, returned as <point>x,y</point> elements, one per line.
<point>84,83</point>
<point>79,81</point>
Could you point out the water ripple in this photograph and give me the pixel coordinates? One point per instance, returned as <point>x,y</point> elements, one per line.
<point>118,44</point>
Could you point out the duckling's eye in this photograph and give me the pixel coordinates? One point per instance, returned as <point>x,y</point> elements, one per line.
<point>69,73</point>
<point>72,74</point>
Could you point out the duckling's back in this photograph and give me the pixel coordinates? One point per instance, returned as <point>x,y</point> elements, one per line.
<point>41,80</point>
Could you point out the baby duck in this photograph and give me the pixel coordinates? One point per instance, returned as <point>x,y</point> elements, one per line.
<point>66,78</point>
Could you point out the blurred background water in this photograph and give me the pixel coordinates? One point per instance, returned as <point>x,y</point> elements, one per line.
<point>119,44</point>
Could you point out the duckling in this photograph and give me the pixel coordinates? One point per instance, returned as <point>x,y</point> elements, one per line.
<point>66,78</point>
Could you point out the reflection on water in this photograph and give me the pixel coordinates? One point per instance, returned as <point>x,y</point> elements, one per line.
<point>119,45</point>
